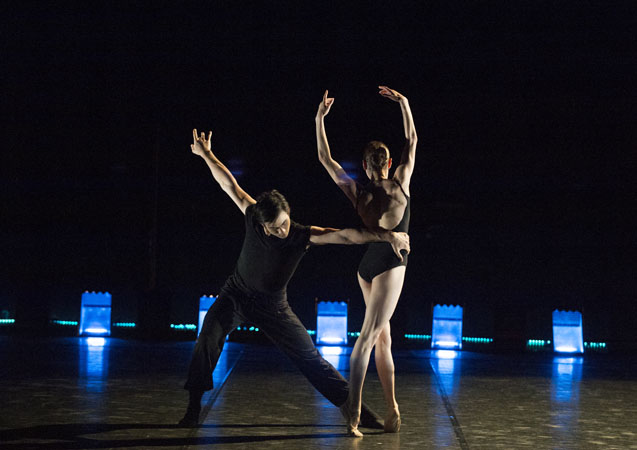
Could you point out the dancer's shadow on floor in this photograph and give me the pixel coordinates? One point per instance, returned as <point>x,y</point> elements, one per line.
<point>72,436</point>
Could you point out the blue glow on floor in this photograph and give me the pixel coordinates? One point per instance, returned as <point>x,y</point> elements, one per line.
<point>446,364</point>
<point>336,355</point>
<point>93,363</point>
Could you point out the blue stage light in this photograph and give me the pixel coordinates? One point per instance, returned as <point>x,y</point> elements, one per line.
<point>447,327</point>
<point>183,326</point>
<point>422,337</point>
<point>567,332</point>
<point>205,303</point>
<point>95,315</point>
<point>331,323</point>
<point>65,323</point>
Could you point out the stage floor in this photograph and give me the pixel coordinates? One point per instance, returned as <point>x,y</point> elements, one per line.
<point>75,393</point>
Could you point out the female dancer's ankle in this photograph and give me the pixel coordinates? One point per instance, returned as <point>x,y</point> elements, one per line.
<point>392,420</point>
<point>352,418</point>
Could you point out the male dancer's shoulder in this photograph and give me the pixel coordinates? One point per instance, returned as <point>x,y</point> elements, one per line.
<point>299,234</point>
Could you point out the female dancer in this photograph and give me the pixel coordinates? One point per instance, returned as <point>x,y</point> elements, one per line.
<point>382,204</point>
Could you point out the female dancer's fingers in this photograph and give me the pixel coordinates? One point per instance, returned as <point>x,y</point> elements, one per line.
<point>209,135</point>
<point>194,135</point>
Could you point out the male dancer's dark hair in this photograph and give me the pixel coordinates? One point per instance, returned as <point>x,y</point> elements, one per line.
<point>269,205</point>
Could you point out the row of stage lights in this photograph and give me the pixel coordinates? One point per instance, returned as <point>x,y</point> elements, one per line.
<point>331,325</point>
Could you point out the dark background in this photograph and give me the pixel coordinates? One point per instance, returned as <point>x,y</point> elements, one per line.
<point>523,198</point>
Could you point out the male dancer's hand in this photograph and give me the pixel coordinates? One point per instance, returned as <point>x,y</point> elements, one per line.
<point>200,145</point>
<point>399,241</point>
<point>391,94</point>
<point>325,105</point>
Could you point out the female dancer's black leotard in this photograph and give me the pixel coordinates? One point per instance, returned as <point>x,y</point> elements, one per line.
<point>380,256</point>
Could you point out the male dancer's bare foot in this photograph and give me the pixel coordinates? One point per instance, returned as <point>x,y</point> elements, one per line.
<point>351,418</point>
<point>392,420</point>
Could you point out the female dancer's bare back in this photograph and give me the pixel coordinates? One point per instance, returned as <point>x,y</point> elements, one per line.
<point>383,203</point>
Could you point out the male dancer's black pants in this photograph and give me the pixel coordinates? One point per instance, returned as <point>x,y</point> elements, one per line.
<point>272,314</point>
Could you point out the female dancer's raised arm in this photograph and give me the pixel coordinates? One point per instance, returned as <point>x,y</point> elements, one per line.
<point>405,169</point>
<point>340,177</point>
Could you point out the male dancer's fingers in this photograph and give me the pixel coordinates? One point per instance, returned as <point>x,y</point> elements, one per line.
<point>194,135</point>
<point>209,135</point>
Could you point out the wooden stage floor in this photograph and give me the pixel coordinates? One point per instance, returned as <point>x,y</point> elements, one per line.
<point>80,393</point>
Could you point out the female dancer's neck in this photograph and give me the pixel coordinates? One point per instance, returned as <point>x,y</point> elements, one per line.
<point>378,176</point>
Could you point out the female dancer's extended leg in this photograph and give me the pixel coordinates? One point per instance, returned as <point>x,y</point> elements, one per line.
<point>381,299</point>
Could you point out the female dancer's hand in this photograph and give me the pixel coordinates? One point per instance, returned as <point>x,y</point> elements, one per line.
<point>324,106</point>
<point>390,94</point>
<point>200,145</point>
<point>399,241</point>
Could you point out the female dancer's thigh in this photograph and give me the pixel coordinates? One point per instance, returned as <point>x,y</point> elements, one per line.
<point>381,296</point>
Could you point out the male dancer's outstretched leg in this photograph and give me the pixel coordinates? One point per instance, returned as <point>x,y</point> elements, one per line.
<point>285,329</point>
<point>220,320</point>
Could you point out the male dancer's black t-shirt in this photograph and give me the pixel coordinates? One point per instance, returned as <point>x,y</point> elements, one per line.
<point>267,263</point>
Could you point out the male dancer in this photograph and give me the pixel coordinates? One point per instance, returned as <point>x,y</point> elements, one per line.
<point>256,291</point>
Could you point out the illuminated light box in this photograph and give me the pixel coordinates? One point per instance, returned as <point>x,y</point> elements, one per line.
<point>331,323</point>
<point>95,316</point>
<point>567,332</point>
<point>205,303</point>
<point>447,327</point>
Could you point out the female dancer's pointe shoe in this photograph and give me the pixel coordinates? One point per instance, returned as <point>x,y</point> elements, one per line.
<point>392,421</point>
<point>352,430</point>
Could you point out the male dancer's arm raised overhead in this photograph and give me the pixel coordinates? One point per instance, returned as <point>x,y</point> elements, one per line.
<point>203,147</point>
<point>272,248</point>
<point>383,204</point>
